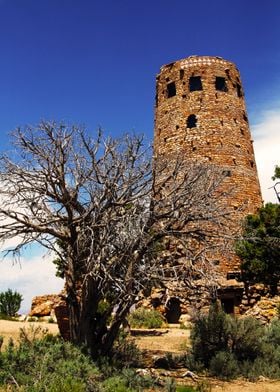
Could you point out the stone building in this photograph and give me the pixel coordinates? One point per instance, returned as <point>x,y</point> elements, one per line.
<point>200,113</point>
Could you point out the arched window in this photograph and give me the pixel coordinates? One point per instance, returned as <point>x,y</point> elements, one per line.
<point>191,121</point>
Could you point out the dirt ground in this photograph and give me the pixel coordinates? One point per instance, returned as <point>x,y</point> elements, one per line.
<point>237,386</point>
<point>11,329</point>
<point>172,340</point>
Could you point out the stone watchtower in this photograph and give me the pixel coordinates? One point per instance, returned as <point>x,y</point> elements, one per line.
<point>200,113</point>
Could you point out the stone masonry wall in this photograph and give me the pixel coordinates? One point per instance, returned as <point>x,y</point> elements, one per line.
<point>200,115</point>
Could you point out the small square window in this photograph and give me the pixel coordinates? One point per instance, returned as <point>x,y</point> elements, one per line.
<point>221,84</point>
<point>191,121</point>
<point>195,83</point>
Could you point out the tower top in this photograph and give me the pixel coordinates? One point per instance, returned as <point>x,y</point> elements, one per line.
<point>199,60</point>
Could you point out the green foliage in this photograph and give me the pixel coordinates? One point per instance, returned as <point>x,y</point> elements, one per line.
<point>224,365</point>
<point>41,362</point>
<point>170,385</point>
<point>245,338</point>
<point>10,302</point>
<point>260,247</point>
<point>127,380</point>
<point>229,347</point>
<point>185,388</point>
<point>203,386</point>
<point>276,173</point>
<point>60,365</point>
<point>273,333</point>
<point>210,334</point>
<point>125,352</point>
<point>116,384</point>
<point>146,318</point>
<point>59,262</point>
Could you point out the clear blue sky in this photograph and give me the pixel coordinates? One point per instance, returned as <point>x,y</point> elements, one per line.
<point>94,62</point>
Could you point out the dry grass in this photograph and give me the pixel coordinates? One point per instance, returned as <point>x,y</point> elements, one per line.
<point>175,341</point>
<point>11,329</point>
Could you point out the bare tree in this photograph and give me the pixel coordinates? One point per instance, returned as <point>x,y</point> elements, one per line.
<point>98,204</point>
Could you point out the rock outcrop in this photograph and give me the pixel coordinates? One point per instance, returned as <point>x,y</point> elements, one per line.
<point>44,305</point>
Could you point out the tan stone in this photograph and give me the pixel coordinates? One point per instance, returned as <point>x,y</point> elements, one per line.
<point>43,305</point>
<point>220,136</point>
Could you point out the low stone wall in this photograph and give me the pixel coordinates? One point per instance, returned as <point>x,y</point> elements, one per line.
<point>62,316</point>
<point>265,309</point>
<point>252,295</point>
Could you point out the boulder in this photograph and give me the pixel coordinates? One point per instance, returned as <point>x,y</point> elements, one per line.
<point>44,305</point>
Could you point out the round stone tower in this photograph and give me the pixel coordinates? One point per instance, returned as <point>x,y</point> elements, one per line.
<point>200,114</point>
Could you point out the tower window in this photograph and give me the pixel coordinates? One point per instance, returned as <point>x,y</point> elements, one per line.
<point>191,121</point>
<point>221,84</point>
<point>226,173</point>
<point>171,89</point>
<point>195,83</point>
<point>228,74</point>
<point>181,73</point>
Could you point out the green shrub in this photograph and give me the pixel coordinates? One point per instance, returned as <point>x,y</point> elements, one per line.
<point>116,384</point>
<point>125,352</point>
<point>145,318</point>
<point>69,383</point>
<point>59,364</point>
<point>224,365</point>
<point>246,338</point>
<point>193,364</point>
<point>10,302</point>
<point>210,334</point>
<point>229,346</point>
<point>272,335</point>
<point>41,362</point>
<point>170,385</point>
<point>135,381</point>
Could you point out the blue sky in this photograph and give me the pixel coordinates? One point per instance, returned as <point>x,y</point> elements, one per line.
<point>94,63</point>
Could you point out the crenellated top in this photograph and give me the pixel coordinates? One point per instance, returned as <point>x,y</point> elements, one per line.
<point>199,60</point>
